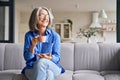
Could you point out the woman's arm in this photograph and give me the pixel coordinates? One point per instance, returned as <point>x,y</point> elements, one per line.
<point>28,55</point>
<point>56,49</point>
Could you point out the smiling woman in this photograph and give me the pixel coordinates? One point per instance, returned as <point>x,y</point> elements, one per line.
<point>42,47</point>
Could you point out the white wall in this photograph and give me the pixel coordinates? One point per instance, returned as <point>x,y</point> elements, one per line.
<point>83,20</point>
<point>80,20</point>
<point>23,28</point>
<point>16,26</point>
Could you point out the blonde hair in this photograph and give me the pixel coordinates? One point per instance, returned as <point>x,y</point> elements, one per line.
<point>35,17</point>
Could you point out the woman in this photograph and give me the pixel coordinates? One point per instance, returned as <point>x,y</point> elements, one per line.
<point>41,47</point>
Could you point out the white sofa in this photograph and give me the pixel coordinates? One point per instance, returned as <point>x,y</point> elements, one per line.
<point>81,61</point>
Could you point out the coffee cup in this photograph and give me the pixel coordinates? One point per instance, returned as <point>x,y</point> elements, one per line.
<point>42,38</point>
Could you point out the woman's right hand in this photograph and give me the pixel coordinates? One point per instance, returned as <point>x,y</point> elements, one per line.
<point>38,39</point>
<point>35,41</point>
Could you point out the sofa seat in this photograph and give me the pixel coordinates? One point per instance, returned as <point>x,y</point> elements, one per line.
<point>103,73</point>
<point>87,75</point>
<point>86,71</point>
<point>11,75</point>
<point>16,75</point>
<point>6,75</point>
<point>65,76</point>
<point>112,76</point>
<point>98,61</point>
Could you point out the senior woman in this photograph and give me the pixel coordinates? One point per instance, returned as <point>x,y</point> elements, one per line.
<point>41,47</point>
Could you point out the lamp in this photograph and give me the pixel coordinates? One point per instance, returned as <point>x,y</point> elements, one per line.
<point>103,14</point>
<point>95,21</point>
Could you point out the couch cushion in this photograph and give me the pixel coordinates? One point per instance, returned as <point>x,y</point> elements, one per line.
<point>109,56</point>
<point>87,76</point>
<point>67,56</point>
<point>86,71</point>
<point>109,72</point>
<point>12,75</point>
<point>8,74</point>
<point>19,77</point>
<point>13,57</point>
<point>2,50</point>
<point>86,57</point>
<point>65,76</point>
<point>112,77</point>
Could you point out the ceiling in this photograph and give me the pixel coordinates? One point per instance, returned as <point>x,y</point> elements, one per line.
<point>67,5</point>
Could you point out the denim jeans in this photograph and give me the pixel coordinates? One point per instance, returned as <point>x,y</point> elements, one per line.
<point>43,69</point>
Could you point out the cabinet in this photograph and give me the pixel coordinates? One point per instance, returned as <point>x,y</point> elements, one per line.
<point>63,29</point>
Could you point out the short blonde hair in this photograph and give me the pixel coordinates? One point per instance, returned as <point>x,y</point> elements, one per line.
<point>35,17</point>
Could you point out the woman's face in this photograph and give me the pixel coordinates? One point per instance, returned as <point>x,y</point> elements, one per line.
<point>43,19</point>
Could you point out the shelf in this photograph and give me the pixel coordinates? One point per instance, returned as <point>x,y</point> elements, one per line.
<point>109,27</point>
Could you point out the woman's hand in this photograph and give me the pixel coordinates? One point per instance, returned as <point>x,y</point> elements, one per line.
<point>42,38</point>
<point>38,39</point>
<point>47,56</point>
<point>35,41</point>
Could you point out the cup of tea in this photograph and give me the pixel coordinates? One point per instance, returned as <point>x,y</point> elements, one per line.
<point>42,38</point>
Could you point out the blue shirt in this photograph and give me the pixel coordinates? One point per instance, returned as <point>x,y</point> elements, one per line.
<point>52,44</point>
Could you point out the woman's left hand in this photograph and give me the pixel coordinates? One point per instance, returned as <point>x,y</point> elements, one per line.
<point>47,56</point>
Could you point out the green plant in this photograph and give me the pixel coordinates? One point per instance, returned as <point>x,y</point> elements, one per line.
<point>70,21</point>
<point>88,32</point>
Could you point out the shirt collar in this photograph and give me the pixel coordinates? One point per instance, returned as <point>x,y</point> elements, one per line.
<point>48,31</point>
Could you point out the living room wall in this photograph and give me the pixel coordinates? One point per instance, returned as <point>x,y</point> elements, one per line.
<point>83,20</point>
<point>80,20</point>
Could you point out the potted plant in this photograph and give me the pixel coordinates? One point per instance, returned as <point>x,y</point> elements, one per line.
<point>70,21</point>
<point>88,33</point>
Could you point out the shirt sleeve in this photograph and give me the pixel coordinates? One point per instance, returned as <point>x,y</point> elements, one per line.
<point>27,43</point>
<point>56,49</point>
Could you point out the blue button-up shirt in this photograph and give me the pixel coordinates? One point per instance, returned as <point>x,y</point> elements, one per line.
<point>51,45</point>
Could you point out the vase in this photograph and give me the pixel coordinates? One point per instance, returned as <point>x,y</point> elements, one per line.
<point>88,40</point>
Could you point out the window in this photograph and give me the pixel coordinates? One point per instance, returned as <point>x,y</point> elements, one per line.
<point>6,21</point>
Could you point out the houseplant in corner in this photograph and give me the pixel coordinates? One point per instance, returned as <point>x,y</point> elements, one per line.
<point>88,33</point>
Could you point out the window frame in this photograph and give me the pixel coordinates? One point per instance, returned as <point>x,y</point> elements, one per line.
<point>10,5</point>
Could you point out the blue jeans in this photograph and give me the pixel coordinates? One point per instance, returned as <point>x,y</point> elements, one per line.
<point>43,69</point>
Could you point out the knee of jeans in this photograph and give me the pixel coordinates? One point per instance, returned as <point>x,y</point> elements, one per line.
<point>41,63</point>
<point>49,72</point>
<point>50,75</point>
